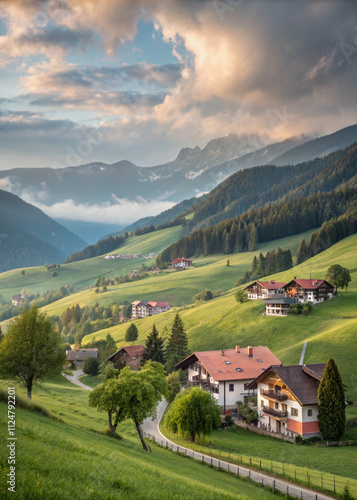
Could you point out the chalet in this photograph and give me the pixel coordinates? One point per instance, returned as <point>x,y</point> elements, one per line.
<point>279,306</point>
<point>17,300</point>
<point>227,373</point>
<point>77,356</point>
<point>287,399</point>
<point>143,308</point>
<point>131,355</point>
<point>181,263</point>
<point>314,291</point>
<point>265,289</point>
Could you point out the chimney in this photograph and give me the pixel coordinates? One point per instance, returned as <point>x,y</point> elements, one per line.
<point>222,353</point>
<point>250,351</point>
<point>237,348</point>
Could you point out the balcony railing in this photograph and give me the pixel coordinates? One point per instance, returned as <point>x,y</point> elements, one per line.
<point>274,413</point>
<point>205,384</point>
<point>278,395</point>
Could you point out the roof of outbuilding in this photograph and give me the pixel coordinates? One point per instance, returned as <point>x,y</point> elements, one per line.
<point>132,350</point>
<point>268,285</point>
<point>81,354</point>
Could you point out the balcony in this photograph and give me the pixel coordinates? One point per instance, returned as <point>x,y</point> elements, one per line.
<point>274,413</point>
<point>277,395</point>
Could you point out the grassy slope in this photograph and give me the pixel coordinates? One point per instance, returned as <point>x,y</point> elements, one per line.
<point>84,273</point>
<point>61,459</point>
<point>222,323</point>
<point>178,287</point>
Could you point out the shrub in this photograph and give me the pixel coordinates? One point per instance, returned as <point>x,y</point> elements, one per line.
<point>298,439</point>
<point>294,310</point>
<point>252,418</point>
<point>305,310</point>
<point>228,419</point>
<point>91,366</point>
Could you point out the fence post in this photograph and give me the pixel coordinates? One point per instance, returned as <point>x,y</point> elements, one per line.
<point>249,474</point>
<point>287,490</point>
<point>334,484</point>
<point>219,465</point>
<point>227,466</point>
<point>271,466</point>
<point>260,465</point>
<point>322,482</point>
<point>283,470</point>
<point>211,462</point>
<point>203,458</point>
<point>274,485</point>
<point>185,452</point>
<point>238,470</point>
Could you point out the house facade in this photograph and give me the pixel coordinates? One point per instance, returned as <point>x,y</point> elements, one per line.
<point>279,306</point>
<point>314,291</point>
<point>265,289</point>
<point>77,356</point>
<point>131,355</point>
<point>227,373</point>
<point>181,263</point>
<point>287,399</point>
<point>143,308</point>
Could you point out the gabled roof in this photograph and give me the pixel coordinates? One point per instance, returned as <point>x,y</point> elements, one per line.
<point>268,285</point>
<point>138,302</point>
<point>281,300</point>
<point>176,261</point>
<point>18,297</point>
<point>302,380</point>
<point>81,354</point>
<point>159,304</point>
<point>132,350</point>
<point>308,284</point>
<point>224,367</point>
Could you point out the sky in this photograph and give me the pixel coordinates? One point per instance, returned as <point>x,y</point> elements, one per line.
<point>140,79</point>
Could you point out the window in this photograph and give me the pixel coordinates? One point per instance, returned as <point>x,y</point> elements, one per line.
<point>260,360</point>
<point>239,370</point>
<point>309,413</point>
<point>246,386</point>
<point>231,387</point>
<point>227,362</point>
<point>277,406</point>
<point>294,412</point>
<point>262,402</point>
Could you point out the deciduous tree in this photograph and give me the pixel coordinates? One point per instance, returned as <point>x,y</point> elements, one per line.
<point>338,276</point>
<point>131,334</point>
<point>31,349</point>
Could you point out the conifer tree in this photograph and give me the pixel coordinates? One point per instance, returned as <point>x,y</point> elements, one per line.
<point>155,346</point>
<point>176,349</point>
<point>331,402</point>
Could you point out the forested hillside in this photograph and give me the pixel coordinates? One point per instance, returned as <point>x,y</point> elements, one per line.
<point>283,219</point>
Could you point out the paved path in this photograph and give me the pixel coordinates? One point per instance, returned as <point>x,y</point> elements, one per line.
<point>151,430</point>
<point>75,379</point>
<point>301,362</point>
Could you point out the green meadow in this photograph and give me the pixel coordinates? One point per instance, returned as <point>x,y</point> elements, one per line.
<point>72,458</point>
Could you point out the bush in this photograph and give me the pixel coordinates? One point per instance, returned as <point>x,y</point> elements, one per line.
<point>54,273</point>
<point>298,439</point>
<point>228,419</point>
<point>91,366</point>
<point>294,310</point>
<point>253,417</point>
<point>305,310</point>
<point>346,494</point>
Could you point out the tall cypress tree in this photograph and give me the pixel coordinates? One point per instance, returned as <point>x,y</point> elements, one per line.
<point>176,349</point>
<point>155,346</point>
<point>331,401</point>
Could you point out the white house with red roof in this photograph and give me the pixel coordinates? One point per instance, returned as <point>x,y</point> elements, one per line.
<point>181,263</point>
<point>265,289</point>
<point>143,308</point>
<point>309,290</point>
<point>227,373</point>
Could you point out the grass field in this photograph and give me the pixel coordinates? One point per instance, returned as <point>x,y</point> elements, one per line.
<point>91,380</point>
<point>84,273</point>
<point>222,323</point>
<point>72,459</point>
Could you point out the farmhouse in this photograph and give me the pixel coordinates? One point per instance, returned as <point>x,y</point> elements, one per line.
<point>131,355</point>
<point>287,399</point>
<point>77,356</point>
<point>227,373</point>
<point>181,263</point>
<point>311,290</point>
<point>265,289</point>
<point>143,308</point>
<point>17,300</point>
<point>279,306</point>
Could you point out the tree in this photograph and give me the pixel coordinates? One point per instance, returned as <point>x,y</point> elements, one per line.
<point>155,346</point>
<point>23,272</point>
<point>241,296</point>
<point>107,371</point>
<point>194,411</point>
<point>31,349</point>
<point>91,366</point>
<point>176,349</point>
<point>331,403</point>
<point>132,395</point>
<point>131,334</point>
<point>338,276</point>
<point>174,386</point>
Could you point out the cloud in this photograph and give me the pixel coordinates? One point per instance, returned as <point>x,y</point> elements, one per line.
<point>123,211</point>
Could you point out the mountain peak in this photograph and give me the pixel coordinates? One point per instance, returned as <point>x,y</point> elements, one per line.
<point>187,153</point>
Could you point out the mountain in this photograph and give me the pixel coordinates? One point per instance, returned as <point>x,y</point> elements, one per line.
<point>28,237</point>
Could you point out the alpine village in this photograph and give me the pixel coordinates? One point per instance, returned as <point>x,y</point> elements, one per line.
<point>185,329</point>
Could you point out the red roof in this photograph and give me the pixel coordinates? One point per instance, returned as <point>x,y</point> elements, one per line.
<point>176,261</point>
<point>225,367</point>
<point>159,304</point>
<point>132,350</point>
<point>268,285</point>
<point>309,284</point>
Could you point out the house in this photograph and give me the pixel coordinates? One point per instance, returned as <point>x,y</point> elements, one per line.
<point>265,289</point>
<point>227,373</point>
<point>311,290</point>
<point>279,306</point>
<point>181,263</point>
<point>287,399</point>
<point>131,355</point>
<point>17,300</point>
<point>143,308</point>
<point>77,356</point>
